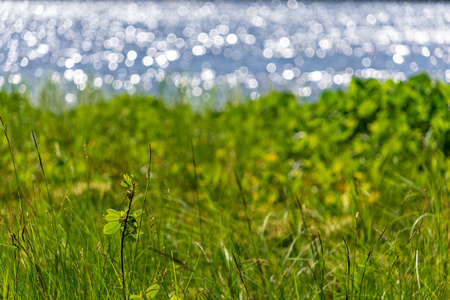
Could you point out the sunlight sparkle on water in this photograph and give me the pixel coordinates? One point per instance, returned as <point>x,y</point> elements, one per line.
<point>302,46</point>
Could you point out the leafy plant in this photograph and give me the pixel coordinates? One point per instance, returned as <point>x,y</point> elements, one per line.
<point>116,221</point>
<point>123,220</point>
<point>127,224</point>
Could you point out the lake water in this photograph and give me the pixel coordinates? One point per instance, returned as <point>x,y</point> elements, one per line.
<point>304,47</point>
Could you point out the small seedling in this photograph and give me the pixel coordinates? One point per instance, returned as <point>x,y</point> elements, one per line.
<point>127,224</point>
<point>123,220</point>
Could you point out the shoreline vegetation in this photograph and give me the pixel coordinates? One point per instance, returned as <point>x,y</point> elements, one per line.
<point>346,197</point>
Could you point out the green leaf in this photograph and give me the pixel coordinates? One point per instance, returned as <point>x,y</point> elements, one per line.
<point>111,228</point>
<point>175,298</point>
<point>137,213</point>
<point>135,297</point>
<point>113,212</point>
<point>124,184</point>
<point>127,180</point>
<point>111,217</point>
<point>152,291</point>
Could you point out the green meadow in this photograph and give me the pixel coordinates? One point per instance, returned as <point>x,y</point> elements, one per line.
<point>345,197</point>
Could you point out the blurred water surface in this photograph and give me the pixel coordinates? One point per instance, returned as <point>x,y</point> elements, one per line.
<point>304,47</point>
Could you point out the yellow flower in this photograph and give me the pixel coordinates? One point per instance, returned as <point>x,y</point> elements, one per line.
<point>271,157</point>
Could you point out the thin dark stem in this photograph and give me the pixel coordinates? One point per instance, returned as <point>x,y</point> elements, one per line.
<point>323,268</point>
<point>196,191</point>
<point>130,197</point>
<point>240,275</point>
<point>347,286</point>
<point>367,260</point>
<point>249,222</point>
<point>55,231</point>
<point>5,130</point>
<point>46,184</point>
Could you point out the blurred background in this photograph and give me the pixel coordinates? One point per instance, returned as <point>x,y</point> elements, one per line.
<point>303,47</point>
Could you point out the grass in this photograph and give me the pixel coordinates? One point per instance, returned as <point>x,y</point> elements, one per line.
<point>344,198</point>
